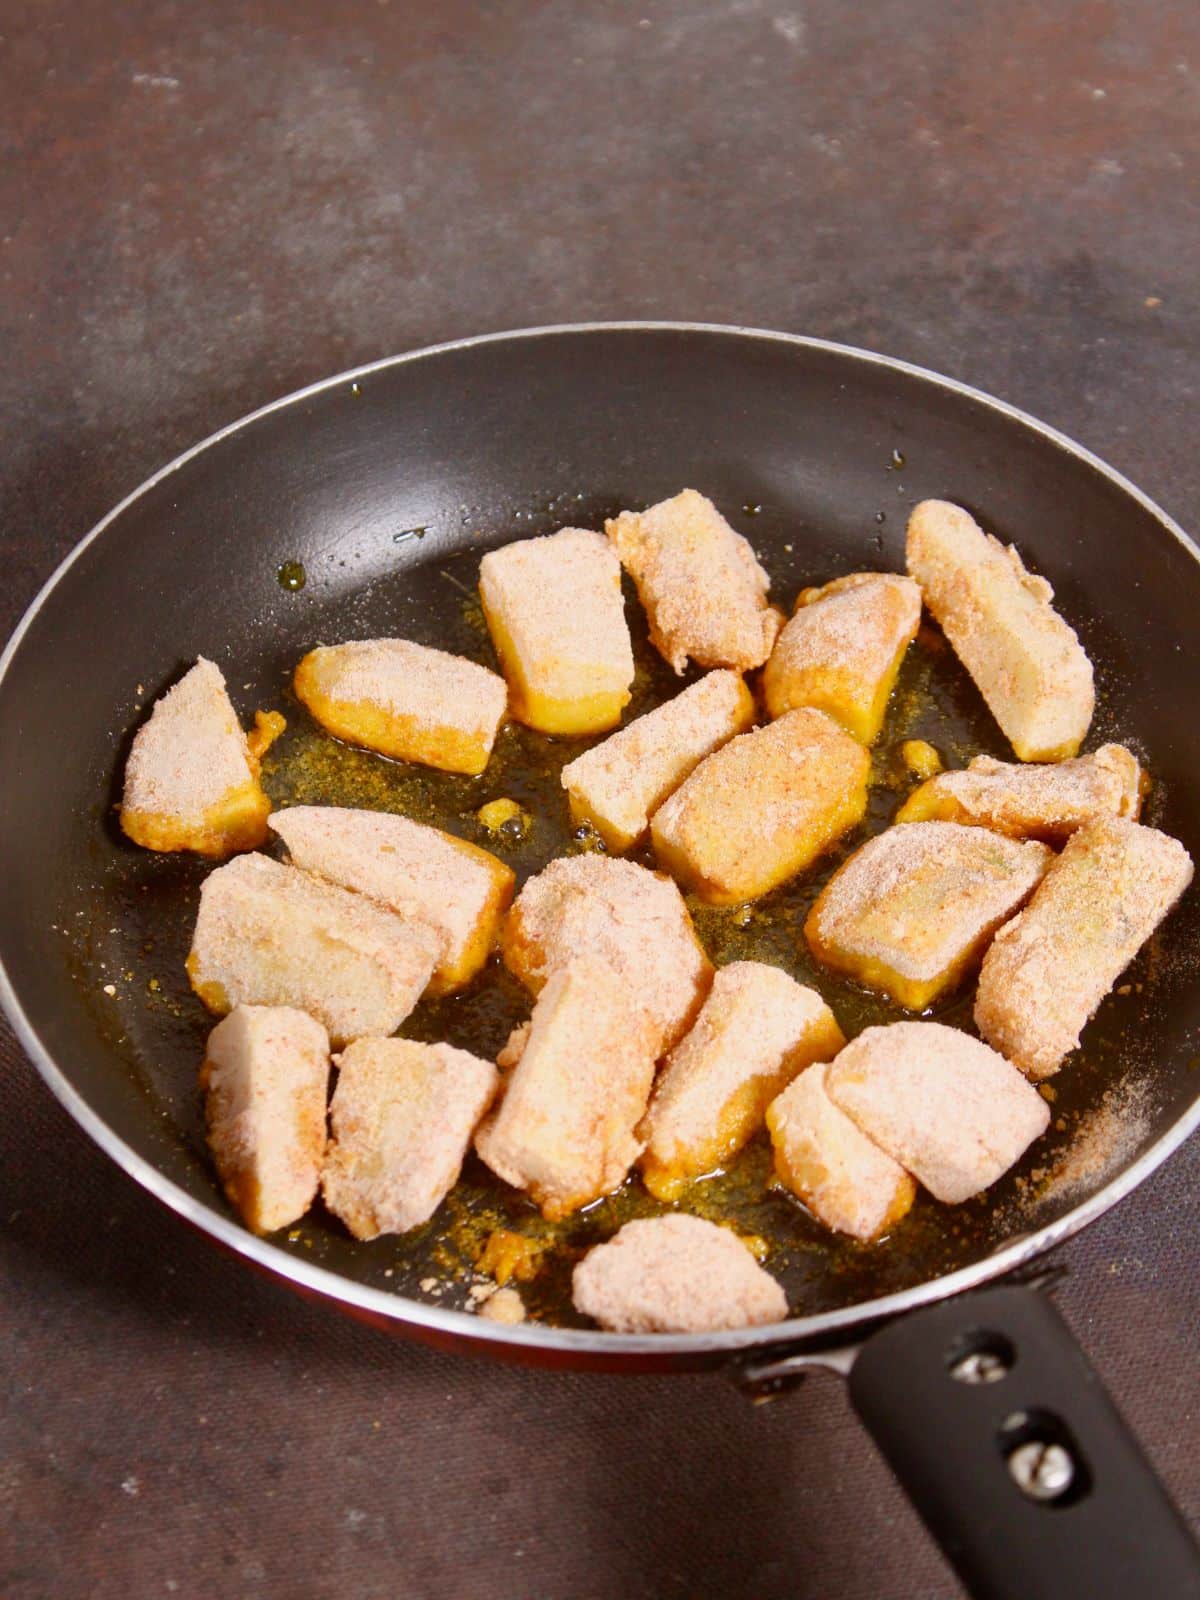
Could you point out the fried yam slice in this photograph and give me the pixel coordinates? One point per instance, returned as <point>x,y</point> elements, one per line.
<point>402,1118</point>
<point>618,785</point>
<point>1026,661</point>
<point>191,781</point>
<point>554,610</point>
<point>762,807</point>
<point>1050,967</point>
<point>704,593</point>
<point>755,1032</point>
<point>632,919</point>
<point>821,1155</point>
<point>945,1106</point>
<point>421,873</point>
<point>584,1065</point>
<point>675,1274</point>
<point>265,1076</point>
<point>912,910</point>
<point>270,935</point>
<point>842,649</point>
<point>1032,800</point>
<point>405,700</point>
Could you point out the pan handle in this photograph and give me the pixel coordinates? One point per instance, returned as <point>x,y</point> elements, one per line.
<point>1020,1465</point>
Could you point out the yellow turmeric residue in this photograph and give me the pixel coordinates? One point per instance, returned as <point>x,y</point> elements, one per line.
<point>920,758</point>
<point>268,725</point>
<point>506,1255</point>
<point>506,814</point>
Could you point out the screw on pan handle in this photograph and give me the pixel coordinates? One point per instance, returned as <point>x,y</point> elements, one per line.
<point>1017,1460</point>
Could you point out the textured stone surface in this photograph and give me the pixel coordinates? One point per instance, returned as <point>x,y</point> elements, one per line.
<point>202,207</point>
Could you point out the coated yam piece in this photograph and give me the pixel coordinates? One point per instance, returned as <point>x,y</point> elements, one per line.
<point>1050,967</point>
<point>1030,800</point>
<point>842,649</point>
<point>675,1274</point>
<point>632,919</point>
<point>1026,661</point>
<point>265,1076</point>
<point>702,588</point>
<point>618,785</point>
<point>191,781</point>
<point>405,700</point>
<point>564,1128</point>
<point>844,1178</point>
<point>946,1107</point>
<point>421,873</point>
<point>270,935</point>
<point>912,910</point>
<point>763,807</point>
<point>557,619</point>
<point>755,1032</point>
<point>402,1117</point>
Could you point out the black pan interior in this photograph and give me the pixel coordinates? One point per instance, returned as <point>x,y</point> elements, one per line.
<point>386,488</point>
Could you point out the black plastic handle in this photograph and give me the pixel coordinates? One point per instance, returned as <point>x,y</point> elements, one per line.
<point>1020,1465</point>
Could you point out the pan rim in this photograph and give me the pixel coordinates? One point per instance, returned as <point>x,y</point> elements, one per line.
<point>822,1329</point>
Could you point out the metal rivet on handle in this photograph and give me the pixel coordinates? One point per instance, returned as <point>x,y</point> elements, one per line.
<point>980,1366</point>
<point>1042,1470</point>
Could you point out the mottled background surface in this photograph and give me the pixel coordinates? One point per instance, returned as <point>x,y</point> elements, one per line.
<point>202,207</point>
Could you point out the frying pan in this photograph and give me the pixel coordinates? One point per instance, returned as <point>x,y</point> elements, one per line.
<point>386,484</point>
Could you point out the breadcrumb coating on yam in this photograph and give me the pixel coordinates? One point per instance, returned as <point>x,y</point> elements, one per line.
<point>632,919</point>
<point>402,1118</point>
<point>406,700</point>
<point>421,873</point>
<point>824,1158</point>
<point>191,780</point>
<point>268,934</point>
<point>947,1107</point>
<point>581,1076</point>
<point>554,608</point>
<point>1025,659</point>
<point>1032,800</point>
<point>911,911</point>
<point>763,807</point>
<point>618,784</point>
<point>757,1029</point>
<point>265,1076</point>
<point>675,1274</point>
<point>1051,966</point>
<point>703,590</point>
<point>842,649</point>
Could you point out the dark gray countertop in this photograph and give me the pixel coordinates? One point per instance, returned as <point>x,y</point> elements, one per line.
<point>202,207</point>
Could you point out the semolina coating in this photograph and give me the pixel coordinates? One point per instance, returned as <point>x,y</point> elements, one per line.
<point>755,1032</point>
<point>617,785</point>
<point>265,1076</point>
<point>700,583</point>
<point>950,1110</point>
<point>828,1163</point>
<point>763,807</point>
<point>842,649</point>
<point>1050,967</point>
<point>554,609</point>
<point>579,1079</point>
<point>675,1274</point>
<point>911,912</point>
<point>402,1117</point>
<point>192,777</point>
<point>268,934</point>
<point>632,919</point>
<point>406,701</point>
<point>424,875</point>
<point>1032,800</point>
<point>1026,661</point>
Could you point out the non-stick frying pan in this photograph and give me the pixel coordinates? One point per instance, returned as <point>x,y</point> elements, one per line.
<point>385,484</point>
